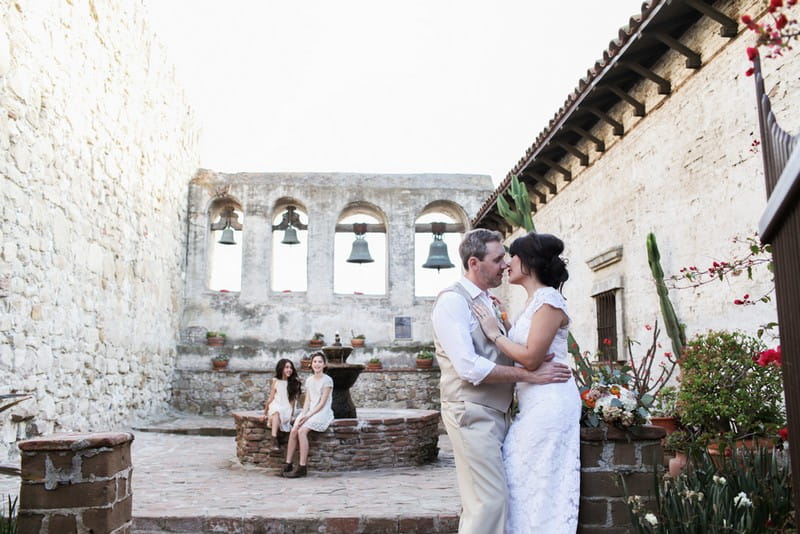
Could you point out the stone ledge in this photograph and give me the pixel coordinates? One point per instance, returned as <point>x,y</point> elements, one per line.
<point>75,441</point>
<point>610,433</point>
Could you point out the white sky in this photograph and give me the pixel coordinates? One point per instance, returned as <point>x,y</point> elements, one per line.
<point>451,86</point>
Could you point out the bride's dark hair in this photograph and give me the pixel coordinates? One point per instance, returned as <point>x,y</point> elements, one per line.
<point>540,254</point>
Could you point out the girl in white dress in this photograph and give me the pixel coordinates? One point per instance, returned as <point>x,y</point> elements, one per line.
<point>317,415</point>
<point>541,452</point>
<point>283,393</point>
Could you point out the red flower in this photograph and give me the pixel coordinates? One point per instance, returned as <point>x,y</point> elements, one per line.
<point>752,52</point>
<point>792,2</point>
<point>769,356</point>
<point>747,19</point>
<point>749,72</point>
<point>606,341</point>
<point>783,433</point>
<point>590,402</point>
<point>648,327</point>
<point>781,22</point>
<point>775,4</point>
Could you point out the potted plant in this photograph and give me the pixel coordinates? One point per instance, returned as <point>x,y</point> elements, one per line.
<point>663,410</point>
<point>356,340</point>
<point>317,340</point>
<point>305,362</point>
<point>424,359</point>
<point>731,390</point>
<point>374,364</point>
<point>215,339</point>
<point>220,361</point>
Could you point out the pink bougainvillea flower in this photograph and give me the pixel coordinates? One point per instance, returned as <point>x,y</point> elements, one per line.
<point>775,4</point>
<point>747,19</point>
<point>749,72</point>
<point>648,327</point>
<point>769,356</point>
<point>752,53</point>
<point>783,433</point>
<point>606,341</point>
<point>781,21</point>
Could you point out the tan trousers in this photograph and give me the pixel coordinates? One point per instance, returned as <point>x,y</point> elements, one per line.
<point>477,433</point>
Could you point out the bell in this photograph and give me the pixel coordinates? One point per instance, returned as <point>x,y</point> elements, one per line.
<point>227,237</point>
<point>360,252</point>
<point>437,255</point>
<point>290,236</point>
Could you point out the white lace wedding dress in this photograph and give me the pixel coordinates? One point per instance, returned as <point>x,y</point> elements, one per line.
<point>541,452</point>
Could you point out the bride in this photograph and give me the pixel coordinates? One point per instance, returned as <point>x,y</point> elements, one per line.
<point>541,450</point>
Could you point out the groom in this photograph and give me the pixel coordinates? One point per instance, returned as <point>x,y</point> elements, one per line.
<point>477,384</point>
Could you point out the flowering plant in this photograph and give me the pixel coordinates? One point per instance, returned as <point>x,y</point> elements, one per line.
<point>622,393</point>
<point>775,32</point>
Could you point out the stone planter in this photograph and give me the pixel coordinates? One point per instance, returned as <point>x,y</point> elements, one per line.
<point>608,455</point>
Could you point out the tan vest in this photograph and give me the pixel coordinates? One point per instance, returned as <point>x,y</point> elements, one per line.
<point>453,388</point>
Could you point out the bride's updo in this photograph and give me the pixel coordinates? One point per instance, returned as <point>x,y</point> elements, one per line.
<point>540,254</point>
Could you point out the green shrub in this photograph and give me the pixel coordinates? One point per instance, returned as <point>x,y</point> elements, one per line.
<point>724,392</point>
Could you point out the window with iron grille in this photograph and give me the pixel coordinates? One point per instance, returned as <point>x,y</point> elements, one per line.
<point>607,324</point>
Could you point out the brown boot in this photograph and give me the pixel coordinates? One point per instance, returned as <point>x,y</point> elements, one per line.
<point>276,446</point>
<point>287,468</point>
<point>297,472</point>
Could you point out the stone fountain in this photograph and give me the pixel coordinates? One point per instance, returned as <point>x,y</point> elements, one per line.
<point>344,375</point>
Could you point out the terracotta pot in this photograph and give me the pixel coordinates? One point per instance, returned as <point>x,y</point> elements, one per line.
<point>667,423</point>
<point>219,364</point>
<point>215,341</point>
<point>424,364</point>
<point>316,343</point>
<point>357,342</point>
<point>677,464</point>
<point>374,366</point>
<point>305,364</point>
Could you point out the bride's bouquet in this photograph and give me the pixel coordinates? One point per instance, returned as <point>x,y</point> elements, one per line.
<point>614,404</point>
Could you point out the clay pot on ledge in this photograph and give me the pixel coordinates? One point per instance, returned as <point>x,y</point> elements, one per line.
<point>374,365</point>
<point>215,339</point>
<point>357,342</point>
<point>424,363</point>
<point>305,364</point>
<point>219,363</point>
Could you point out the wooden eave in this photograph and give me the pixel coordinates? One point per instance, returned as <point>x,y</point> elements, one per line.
<point>624,65</point>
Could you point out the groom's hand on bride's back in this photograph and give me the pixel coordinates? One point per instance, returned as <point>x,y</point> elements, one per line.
<point>549,372</point>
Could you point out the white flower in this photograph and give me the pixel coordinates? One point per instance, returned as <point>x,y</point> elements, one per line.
<point>742,500</point>
<point>652,519</point>
<point>719,480</point>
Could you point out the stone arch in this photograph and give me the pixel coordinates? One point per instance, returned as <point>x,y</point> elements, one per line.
<point>224,260</point>
<point>289,265</point>
<point>429,282</point>
<point>369,278</point>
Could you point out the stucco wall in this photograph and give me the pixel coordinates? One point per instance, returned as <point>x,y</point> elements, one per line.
<point>687,172</point>
<point>97,146</point>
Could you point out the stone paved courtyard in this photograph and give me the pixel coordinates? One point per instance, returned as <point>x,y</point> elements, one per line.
<point>193,483</point>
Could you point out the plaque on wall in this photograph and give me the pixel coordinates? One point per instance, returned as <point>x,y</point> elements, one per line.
<point>402,327</point>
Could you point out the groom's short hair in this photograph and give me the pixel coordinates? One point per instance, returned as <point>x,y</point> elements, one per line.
<point>474,244</point>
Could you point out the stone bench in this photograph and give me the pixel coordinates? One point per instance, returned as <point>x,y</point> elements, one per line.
<point>377,438</point>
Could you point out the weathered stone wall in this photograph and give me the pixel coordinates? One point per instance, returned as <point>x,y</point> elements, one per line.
<point>221,392</point>
<point>687,172</point>
<point>97,147</point>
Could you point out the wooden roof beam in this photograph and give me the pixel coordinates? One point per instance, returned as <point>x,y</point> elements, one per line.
<point>693,60</point>
<point>616,125</point>
<point>532,176</point>
<point>583,158</point>
<point>533,191</point>
<point>729,26</point>
<point>555,166</point>
<point>638,107</point>
<point>664,85</point>
<point>599,145</point>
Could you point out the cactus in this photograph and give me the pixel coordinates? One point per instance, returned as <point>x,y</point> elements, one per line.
<point>674,329</point>
<point>520,217</point>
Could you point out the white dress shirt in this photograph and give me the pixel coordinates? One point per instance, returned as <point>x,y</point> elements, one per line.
<point>453,323</point>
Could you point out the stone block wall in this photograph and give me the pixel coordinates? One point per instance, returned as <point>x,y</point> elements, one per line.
<point>97,147</point>
<point>221,392</point>
<point>76,483</point>
<point>609,456</point>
